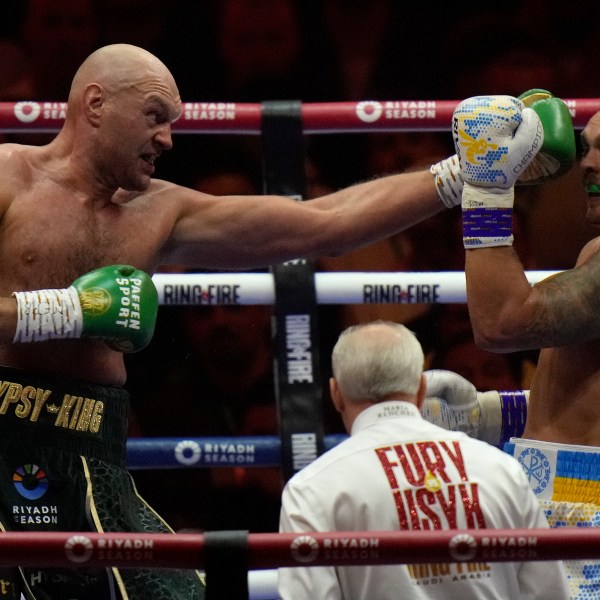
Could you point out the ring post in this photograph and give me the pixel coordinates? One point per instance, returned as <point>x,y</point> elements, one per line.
<point>226,565</point>
<point>296,341</point>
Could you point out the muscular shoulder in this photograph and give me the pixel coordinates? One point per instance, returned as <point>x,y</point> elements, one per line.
<point>590,249</point>
<point>16,159</point>
<point>183,202</point>
<point>172,197</point>
<point>174,202</point>
<point>16,151</point>
<point>176,193</point>
<point>7,149</point>
<point>15,166</point>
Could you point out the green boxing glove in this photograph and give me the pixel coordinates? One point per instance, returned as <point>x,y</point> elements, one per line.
<point>558,152</point>
<point>117,304</point>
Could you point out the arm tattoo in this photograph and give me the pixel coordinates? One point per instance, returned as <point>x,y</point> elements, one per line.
<point>567,306</point>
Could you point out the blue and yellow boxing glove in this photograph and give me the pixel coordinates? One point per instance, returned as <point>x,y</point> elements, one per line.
<point>556,156</point>
<point>117,304</point>
<point>558,152</point>
<point>496,138</point>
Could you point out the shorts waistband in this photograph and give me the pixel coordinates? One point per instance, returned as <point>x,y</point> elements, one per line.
<point>558,471</point>
<point>73,415</point>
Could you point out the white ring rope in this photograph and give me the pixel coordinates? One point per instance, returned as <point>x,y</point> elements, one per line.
<point>443,287</point>
<point>262,584</point>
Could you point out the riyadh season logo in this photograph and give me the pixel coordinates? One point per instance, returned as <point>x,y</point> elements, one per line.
<point>187,452</point>
<point>369,111</point>
<point>304,549</point>
<point>462,547</point>
<point>27,112</point>
<point>30,481</point>
<point>78,548</point>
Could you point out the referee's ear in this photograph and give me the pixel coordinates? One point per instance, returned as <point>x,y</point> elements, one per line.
<point>421,392</point>
<point>336,396</point>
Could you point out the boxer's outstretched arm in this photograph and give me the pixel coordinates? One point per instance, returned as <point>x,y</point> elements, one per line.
<point>254,231</point>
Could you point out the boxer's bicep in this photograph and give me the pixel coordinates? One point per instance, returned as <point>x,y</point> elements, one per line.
<point>244,231</point>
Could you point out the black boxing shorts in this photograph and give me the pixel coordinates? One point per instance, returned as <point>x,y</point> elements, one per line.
<point>62,468</point>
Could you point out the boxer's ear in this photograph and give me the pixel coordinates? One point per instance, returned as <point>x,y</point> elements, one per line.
<point>93,100</point>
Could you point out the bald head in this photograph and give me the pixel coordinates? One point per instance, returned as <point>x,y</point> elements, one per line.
<point>120,88</point>
<point>121,66</point>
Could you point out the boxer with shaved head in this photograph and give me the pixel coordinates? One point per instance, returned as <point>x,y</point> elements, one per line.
<point>87,201</point>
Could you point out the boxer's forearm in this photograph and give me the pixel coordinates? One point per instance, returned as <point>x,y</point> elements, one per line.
<point>498,295</point>
<point>374,210</point>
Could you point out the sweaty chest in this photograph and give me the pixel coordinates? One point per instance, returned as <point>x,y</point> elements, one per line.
<point>52,244</point>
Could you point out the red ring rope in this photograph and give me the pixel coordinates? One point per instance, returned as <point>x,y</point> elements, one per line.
<point>318,117</point>
<point>272,550</point>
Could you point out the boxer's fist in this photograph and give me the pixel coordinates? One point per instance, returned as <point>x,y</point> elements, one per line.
<point>451,402</point>
<point>558,152</point>
<point>117,304</point>
<point>556,156</point>
<point>496,138</point>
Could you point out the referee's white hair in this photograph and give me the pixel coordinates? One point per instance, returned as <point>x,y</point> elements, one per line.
<point>371,361</point>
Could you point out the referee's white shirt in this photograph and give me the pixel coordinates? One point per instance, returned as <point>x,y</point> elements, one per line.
<point>398,471</point>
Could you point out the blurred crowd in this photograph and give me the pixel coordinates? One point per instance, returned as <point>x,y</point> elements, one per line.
<point>209,370</point>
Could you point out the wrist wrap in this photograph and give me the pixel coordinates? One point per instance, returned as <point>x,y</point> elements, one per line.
<point>51,314</point>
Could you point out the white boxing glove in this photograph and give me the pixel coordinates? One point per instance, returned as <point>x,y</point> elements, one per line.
<point>453,403</point>
<point>496,138</point>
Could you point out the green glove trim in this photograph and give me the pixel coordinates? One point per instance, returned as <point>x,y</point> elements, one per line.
<point>558,152</point>
<point>119,304</point>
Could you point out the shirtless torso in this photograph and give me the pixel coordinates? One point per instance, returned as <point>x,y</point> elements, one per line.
<point>50,235</point>
<point>64,208</point>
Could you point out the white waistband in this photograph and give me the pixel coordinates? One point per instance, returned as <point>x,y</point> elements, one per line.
<point>542,445</point>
